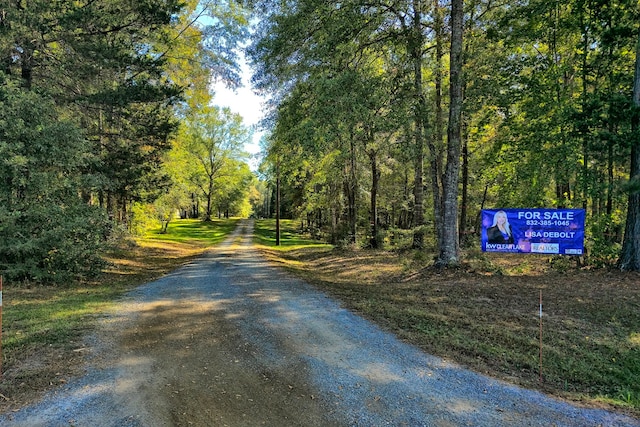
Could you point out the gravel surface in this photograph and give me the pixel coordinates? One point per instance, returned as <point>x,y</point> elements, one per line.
<point>231,340</point>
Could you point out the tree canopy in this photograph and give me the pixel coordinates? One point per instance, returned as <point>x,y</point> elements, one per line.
<point>391,123</point>
<point>541,114</point>
<point>93,94</point>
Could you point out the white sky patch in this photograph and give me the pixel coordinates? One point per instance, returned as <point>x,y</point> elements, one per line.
<point>244,102</point>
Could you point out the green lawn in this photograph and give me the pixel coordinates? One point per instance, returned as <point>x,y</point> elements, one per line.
<point>291,237</point>
<point>194,231</point>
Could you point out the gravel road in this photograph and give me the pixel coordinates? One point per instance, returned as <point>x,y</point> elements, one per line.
<point>229,340</point>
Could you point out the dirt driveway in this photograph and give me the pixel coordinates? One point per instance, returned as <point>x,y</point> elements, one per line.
<point>229,340</point>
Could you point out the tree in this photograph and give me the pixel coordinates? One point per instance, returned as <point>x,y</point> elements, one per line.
<point>213,138</point>
<point>537,119</point>
<point>203,46</point>
<point>232,190</point>
<point>103,85</point>
<point>97,60</point>
<point>79,64</point>
<point>561,96</point>
<point>449,247</point>
<point>119,68</point>
<point>630,255</point>
<point>174,201</point>
<point>326,50</point>
<point>47,232</point>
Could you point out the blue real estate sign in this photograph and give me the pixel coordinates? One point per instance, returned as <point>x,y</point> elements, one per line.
<point>543,231</point>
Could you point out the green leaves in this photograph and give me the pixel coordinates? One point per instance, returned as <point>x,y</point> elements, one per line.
<point>207,157</point>
<point>103,85</point>
<point>47,232</point>
<point>546,117</point>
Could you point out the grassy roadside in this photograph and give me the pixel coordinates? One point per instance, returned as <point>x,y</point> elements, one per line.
<point>485,315</point>
<point>44,326</point>
<point>290,237</point>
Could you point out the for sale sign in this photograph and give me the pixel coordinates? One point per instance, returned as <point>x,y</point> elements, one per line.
<point>544,231</point>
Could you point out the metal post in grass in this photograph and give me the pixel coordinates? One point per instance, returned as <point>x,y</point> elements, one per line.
<point>540,335</point>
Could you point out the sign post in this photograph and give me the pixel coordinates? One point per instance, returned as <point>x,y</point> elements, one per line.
<point>540,335</point>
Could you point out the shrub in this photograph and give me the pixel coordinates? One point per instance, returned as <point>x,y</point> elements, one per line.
<point>601,242</point>
<point>52,244</point>
<point>47,232</point>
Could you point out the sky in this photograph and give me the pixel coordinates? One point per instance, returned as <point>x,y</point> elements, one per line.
<point>245,102</point>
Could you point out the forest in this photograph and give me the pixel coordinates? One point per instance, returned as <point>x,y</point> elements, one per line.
<point>107,126</point>
<point>396,122</point>
<point>389,124</point>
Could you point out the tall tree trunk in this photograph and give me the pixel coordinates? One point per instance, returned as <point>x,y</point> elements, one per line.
<point>435,143</point>
<point>630,255</point>
<point>194,206</point>
<point>352,186</point>
<point>585,129</point>
<point>375,183</point>
<point>610,179</point>
<point>27,68</point>
<point>266,208</point>
<point>402,212</point>
<point>415,47</point>
<point>334,225</point>
<point>209,194</point>
<point>465,156</point>
<point>465,188</point>
<point>124,213</point>
<point>449,247</point>
<point>610,143</point>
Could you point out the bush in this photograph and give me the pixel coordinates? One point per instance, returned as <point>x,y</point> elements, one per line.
<point>143,218</point>
<point>51,243</point>
<point>601,242</point>
<point>47,233</point>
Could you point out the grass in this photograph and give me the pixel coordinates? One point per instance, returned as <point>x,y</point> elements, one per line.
<point>485,315</point>
<point>44,326</point>
<point>290,236</point>
<point>195,232</point>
